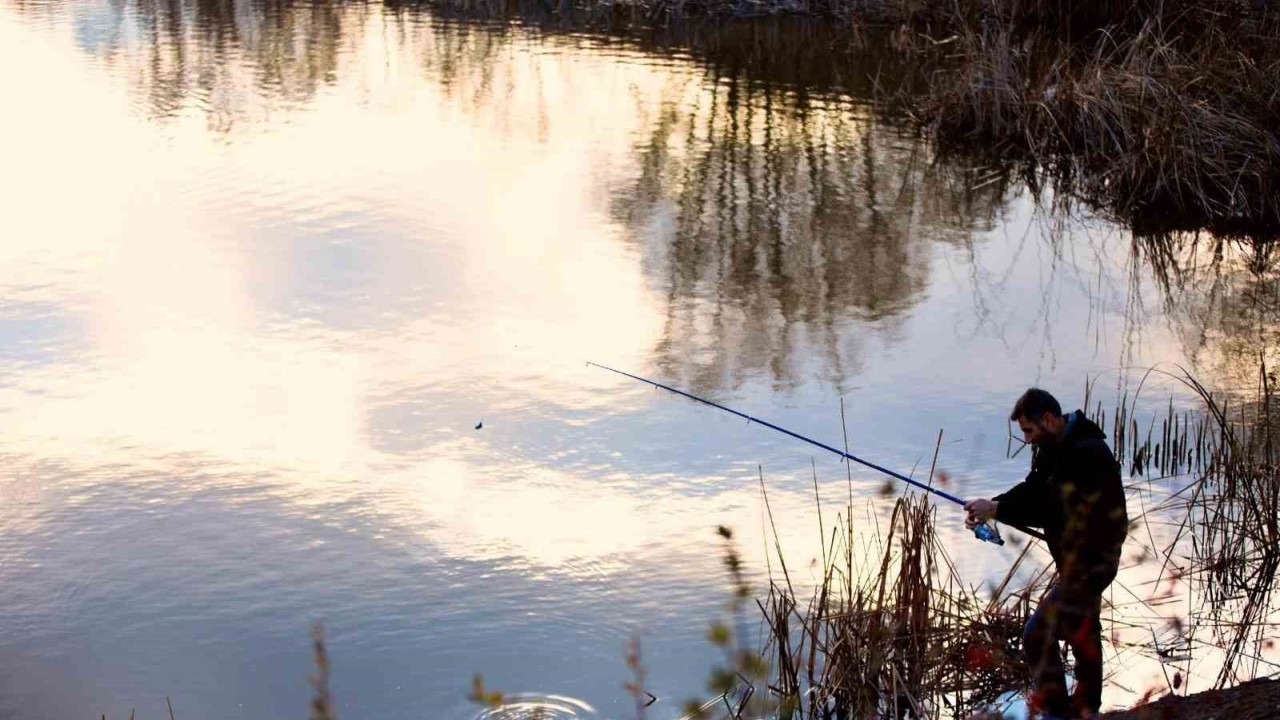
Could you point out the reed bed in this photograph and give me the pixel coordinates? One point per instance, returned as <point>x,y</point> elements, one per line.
<point>890,631</point>
<point>1228,514</point>
<point>1158,115</point>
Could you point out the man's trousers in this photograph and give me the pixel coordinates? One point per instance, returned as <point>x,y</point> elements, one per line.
<point>1069,612</point>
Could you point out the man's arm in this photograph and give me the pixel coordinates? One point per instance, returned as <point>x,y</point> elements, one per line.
<point>1026,504</point>
<point>1023,504</point>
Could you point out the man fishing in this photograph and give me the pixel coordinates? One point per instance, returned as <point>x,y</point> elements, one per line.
<point>1074,493</point>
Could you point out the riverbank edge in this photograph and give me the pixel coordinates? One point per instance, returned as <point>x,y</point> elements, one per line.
<point>1252,700</point>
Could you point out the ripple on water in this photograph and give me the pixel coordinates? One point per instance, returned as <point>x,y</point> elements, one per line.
<point>543,707</point>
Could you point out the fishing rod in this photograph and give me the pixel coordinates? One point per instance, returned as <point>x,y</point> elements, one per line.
<point>986,532</point>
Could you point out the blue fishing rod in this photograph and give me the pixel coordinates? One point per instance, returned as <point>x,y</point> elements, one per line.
<point>986,531</point>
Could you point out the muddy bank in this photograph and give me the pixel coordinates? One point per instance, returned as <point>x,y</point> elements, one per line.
<point>1254,700</point>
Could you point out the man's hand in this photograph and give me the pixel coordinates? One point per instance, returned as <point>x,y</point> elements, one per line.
<point>979,511</point>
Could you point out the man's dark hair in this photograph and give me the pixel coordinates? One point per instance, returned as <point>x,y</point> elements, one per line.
<point>1033,404</point>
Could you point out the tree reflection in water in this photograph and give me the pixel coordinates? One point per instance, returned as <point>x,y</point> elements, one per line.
<point>782,214</point>
<point>179,52</point>
<point>1224,296</point>
<point>775,219</point>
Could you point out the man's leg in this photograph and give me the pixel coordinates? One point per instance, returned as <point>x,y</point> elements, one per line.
<point>1044,657</point>
<point>1086,646</point>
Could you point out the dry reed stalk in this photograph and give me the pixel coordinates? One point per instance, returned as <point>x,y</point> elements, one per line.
<point>322,700</point>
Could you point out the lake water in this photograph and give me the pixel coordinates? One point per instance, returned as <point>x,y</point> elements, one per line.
<point>296,300</point>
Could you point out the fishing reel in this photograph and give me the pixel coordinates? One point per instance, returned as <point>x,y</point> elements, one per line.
<point>988,532</point>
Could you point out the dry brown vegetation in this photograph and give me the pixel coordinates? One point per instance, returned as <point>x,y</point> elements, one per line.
<point>896,633</point>
<point>889,631</point>
<point>1160,114</point>
<point>1228,516</point>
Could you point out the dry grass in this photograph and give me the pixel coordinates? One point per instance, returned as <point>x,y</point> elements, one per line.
<point>322,700</point>
<point>1225,513</point>
<point>1160,114</point>
<point>1164,120</point>
<point>890,631</point>
<point>906,639</point>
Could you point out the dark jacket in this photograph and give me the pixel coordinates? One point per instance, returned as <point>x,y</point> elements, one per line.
<point>1074,493</point>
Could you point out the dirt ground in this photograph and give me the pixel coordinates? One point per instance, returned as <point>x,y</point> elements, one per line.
<point>1254,700</point>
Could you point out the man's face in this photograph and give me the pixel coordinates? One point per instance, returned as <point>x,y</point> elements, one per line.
<point>1040,431</point>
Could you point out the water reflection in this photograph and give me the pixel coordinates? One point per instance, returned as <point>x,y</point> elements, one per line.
<point>1225,296</point>
<point>769,212</point>
<point>254,310</point>
<point>771,219</point>
<point>193,52</point>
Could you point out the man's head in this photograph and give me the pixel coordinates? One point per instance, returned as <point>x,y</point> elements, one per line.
<point>1039,416</point>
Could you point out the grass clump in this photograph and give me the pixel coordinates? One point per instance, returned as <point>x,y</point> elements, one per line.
<point>1161,115</point>
<point>891,631</point>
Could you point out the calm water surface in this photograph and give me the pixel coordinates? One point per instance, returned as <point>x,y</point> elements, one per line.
<point>266,266</point>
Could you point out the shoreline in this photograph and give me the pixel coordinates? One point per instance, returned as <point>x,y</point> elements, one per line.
<point>1251,700</point>
<point>1159,117</point>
